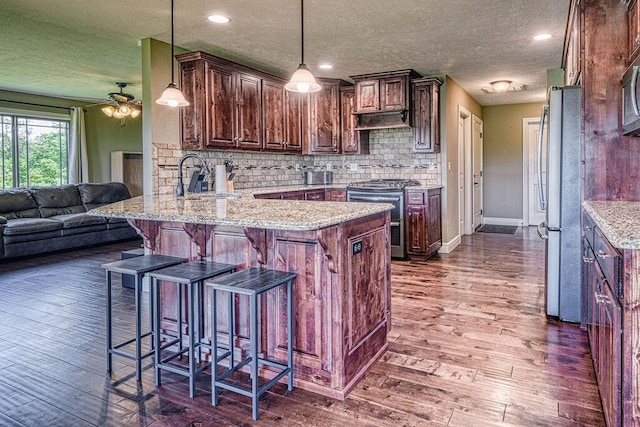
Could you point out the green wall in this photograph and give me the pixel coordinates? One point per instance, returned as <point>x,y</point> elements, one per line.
<point>502,158</point>
<point>104,134</point>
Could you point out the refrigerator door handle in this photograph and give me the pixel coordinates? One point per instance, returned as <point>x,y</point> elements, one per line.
<point>543,116</point>
<point>542,230</point>
<point>634,90</point>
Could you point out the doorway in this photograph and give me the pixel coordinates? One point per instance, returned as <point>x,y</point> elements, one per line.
<point>464,160</point>
<point>476,172</point>
<point>532,212</point>
<point>470,140</point>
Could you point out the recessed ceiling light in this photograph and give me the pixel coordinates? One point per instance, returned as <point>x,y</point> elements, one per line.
<point>544,36</point>
<point>219,19</point>
<point>325,66</point>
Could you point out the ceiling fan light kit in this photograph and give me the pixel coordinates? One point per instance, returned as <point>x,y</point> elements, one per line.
<point>172,96</point>
<point>122,105</point>
<point>302,81</point>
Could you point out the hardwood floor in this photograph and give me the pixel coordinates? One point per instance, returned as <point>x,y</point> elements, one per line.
<point>470,346</point>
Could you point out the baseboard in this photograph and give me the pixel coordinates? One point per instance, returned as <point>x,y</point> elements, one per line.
<point>502,221</point>
<point>448,247</point>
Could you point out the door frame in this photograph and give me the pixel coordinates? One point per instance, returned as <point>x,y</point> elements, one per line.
<point>464,165</point>
<point>526,121</point>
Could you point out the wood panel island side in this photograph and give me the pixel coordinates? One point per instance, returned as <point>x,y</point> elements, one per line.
<point>339,251</point>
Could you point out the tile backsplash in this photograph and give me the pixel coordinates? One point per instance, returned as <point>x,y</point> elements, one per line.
<point>390,156</point>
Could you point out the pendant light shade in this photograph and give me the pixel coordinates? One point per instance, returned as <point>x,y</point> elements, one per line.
<point>172,95</point>
<point>302,81</point>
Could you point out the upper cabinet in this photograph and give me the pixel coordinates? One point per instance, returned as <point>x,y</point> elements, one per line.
<point>383,100</point>
<point>634,30</point>
<point>280,117</point>
<point>353,141</point>
<point>572,45</point>
<point>225,108</point>
<point>426,115</point>
<point>321,119</point>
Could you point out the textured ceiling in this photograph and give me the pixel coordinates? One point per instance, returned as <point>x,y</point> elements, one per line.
<point>80,48</point>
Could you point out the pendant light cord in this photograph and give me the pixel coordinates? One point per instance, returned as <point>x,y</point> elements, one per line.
<point>173,82</point>
<point>302,30</point>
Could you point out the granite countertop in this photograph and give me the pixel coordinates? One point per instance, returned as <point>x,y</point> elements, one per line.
<point>240,210</point>
<point>618,221</point>
<point>283,189</point>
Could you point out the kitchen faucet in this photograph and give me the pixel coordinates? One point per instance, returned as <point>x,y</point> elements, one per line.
<point>205,167</point>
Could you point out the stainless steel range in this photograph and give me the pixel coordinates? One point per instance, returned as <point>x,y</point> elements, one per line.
<point>385,191</point>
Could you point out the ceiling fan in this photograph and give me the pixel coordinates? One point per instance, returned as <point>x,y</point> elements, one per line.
<point>122,105</point>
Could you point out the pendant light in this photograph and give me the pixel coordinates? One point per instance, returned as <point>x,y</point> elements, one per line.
<point>302,80</point>
<point>172,95</point>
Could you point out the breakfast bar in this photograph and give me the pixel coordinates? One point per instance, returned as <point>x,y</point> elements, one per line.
<point>339,251</point>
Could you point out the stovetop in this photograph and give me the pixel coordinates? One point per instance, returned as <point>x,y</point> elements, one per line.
<point>383,184</point>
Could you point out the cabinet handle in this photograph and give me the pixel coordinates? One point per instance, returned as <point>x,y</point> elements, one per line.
<point>239,139</point>
<point>587,260</point>
<point>409,214</point>
<point>602,255</point>
<point>587,228</point>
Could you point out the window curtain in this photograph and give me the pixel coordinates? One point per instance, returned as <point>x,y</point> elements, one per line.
<point>78,160</point>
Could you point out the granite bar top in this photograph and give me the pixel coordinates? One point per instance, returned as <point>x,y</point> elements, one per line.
<point>240,210</point>
<point>618,221</point>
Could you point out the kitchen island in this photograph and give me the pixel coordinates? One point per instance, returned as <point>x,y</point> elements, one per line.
<point>339,251</point>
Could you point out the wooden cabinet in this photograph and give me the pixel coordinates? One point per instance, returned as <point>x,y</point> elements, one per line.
<point>423,221</point>
<point>426,115</point>
<point>315,195</point>
<point>335,195</point>
<point>572,40</point>
<point>281,117</point>
<point>321,120</point>
<point>602,286</point>
<point>634,30</point>
<point>225,108</point>
<point>353,141</point>
<point>383,100</point>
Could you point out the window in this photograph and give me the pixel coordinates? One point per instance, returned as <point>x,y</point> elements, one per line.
<point>33,151</point>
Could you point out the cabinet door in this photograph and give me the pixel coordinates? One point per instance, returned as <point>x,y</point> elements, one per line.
<point>273,112</point>
<point>368,96</point>
<point>416,229</point>
<point>350,138</point>
<point>434,221</point>
<point>292,195</point>
<point>221,108</point>
<point>249,109</point>
<point>314,195</point>
<point>426,112</point>
<point>335,195</point>
<point>193,117</point>
<point>393,93</point>
<point>323,119</point>
<point>588,289</point>
<point>293,115</point>
<point>610,355</point>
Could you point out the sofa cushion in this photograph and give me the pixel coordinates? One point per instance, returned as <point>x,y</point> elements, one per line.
<point>78,220</point>
<point>58,200</point>
<point>86,229</point>
<point>30,225</point>
<point>3,220</point>
<point>94,195</point>
<point>18,203</point>
<point>39,240</point>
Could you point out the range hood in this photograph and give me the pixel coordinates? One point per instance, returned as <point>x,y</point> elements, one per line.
<point>383,120</point>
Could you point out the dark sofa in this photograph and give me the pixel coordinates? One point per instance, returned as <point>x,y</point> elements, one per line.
<point>44,219</point>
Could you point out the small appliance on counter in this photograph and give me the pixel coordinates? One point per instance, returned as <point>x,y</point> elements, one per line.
<point>314,177</point>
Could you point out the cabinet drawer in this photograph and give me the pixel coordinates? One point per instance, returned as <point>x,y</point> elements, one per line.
<point>314,195</point>
<point>588,227</point>
<point>609,260</point>
<point>415,198</point>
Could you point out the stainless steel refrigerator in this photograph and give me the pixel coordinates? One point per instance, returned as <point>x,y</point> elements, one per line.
<point>561,198</point>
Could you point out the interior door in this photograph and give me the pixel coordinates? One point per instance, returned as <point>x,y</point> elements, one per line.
<point>476,153</point>
<point>536,214</point>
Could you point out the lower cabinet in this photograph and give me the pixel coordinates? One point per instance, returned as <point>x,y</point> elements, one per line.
<point>603,319</point>
<point>423,223</point>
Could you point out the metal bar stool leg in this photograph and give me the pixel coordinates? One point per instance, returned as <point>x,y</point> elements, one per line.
<point>138,328</point>
<point>290,333</point>
<point>232,326</point>
<point>199,295</point>
<point>179,314</point>
<point>109,325</point>
<point>192,362</point>
<point>254,355</point>
<point>214,349</point>
<point>158,354</point>
<point>151,316</point>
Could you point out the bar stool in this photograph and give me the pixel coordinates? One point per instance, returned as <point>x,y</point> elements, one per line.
<point>137,267</point>
<point>252,282</point>
<point>187,275</point>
